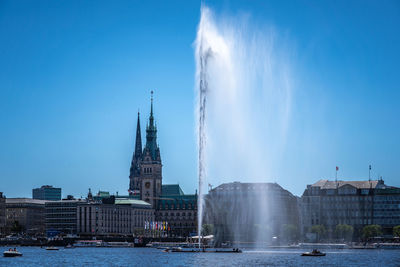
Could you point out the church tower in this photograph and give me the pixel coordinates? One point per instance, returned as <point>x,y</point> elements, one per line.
<point>146,168</point>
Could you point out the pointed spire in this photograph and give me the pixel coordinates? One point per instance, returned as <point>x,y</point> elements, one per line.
<point>151,111</point>
<point>151,133</point>
<point>138,144</point>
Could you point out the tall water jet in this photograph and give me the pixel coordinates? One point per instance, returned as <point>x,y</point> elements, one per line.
<point>203,57</point>
<point>243,105</point>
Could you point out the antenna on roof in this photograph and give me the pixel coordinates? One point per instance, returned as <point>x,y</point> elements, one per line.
<point>337,185</point>
<point>369,173</point>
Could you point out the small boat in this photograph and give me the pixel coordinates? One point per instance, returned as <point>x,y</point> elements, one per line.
<point>69,246</point>
<point>12,253</point>
<point>234,250</point>
<point>51,248</point>
<point>314,253</point>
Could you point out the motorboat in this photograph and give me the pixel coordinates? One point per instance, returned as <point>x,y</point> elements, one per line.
<point>315,253</point>
<point>12,253</point>
<point>52,248</point>
<point>69,246</point>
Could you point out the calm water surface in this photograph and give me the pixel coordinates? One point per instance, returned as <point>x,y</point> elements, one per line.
<point>35,256</point>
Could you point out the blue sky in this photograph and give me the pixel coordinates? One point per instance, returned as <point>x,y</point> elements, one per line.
<point>73,75</point>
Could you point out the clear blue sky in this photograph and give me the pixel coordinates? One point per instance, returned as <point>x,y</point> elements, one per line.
<point>73,75</point>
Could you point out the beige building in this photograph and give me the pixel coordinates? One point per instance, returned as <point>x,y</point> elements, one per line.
<point>355,203</point>
<point>27,214</point>
<point>124,217</point>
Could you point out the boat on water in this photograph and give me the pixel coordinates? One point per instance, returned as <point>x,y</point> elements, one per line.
<point>314,253</point>
<point>192,250</point>
<point>12,253</point>
<point>89,243</point>
<point>52,248</point>
<point>69,246</point>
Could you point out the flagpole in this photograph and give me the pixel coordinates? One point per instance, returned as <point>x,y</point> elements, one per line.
<point>336,177</point>
<point>369,173</point>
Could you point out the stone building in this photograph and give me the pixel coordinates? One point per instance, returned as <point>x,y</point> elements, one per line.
<point>2,213</point>
<point>356,203</point>
<point>146,167</point>
<point>172,206</point>
<point>26,213</point>
<point>178,210</point>
<point>61,216</point>
<point>254,213</point>
<point>115,216</point>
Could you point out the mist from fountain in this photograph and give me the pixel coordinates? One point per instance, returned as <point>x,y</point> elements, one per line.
<point>243,90</point>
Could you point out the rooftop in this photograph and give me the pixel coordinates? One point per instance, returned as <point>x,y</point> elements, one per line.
<point>172,190</point>
<point>326,184</point>
<point>25,201</point>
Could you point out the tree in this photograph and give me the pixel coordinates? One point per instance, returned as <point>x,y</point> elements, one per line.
<point>319,229</point>
<point>207,229</point>
<point>344,231</point>
<point>16,227</point>
<point>290,232</point>
<point>396,231</point>
<point>371,231</point>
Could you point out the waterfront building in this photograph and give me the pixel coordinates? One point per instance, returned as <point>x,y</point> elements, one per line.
<point>61,216</point>
<point>179,210</point>
<point>113,216</point>
<point>355,203</point>
<point>259,213</point>
<point>25,215</point>
<point>46,192</point>
<point>2,213</point>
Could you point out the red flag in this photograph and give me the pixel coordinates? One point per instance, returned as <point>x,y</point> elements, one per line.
<point>337,168</point>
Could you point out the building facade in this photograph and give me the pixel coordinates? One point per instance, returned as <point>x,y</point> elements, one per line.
<point>46,192</point>
<point>113,217</point>
<point>355,203</point>
<point>2,213</point>
<point>61,217</point>
<point>257,213</point>
<point>25,215</point>
<point>178,210</point>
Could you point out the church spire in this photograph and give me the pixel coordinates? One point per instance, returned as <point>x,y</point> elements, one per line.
<point>137,155</point>
<point>138,144</point>
<point>151,133</point>
<point>151,111</point>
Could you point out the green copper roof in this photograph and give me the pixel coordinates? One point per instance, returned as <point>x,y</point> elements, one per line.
<point>103,194</point>
<point>172,190</point>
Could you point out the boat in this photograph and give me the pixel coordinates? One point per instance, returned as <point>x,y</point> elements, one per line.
<point>12,253</point>
<point>51,248</point>
<point>314,253</point>
<point>203,250</point>
<point>69,246</point>
<point>89,243</point>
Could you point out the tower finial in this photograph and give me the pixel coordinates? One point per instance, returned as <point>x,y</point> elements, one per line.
<point>151,111</point>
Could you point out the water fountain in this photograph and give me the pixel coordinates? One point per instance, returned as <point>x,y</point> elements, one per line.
<point>244,96</point>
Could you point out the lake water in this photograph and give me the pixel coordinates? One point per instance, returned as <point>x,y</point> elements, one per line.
<point>35,256</point>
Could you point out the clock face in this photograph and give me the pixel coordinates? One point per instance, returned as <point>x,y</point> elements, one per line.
<point>147,184</point>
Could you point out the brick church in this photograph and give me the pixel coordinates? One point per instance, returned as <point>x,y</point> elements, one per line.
<point>145,182</point>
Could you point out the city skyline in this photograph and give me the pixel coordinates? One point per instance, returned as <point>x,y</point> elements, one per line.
<point>73,82</point>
